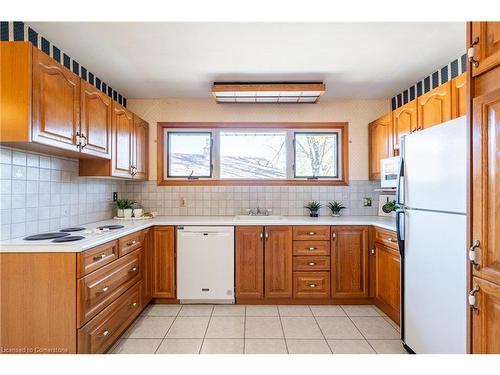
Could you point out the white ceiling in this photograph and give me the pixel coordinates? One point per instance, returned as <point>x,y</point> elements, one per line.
<point>161,60</point>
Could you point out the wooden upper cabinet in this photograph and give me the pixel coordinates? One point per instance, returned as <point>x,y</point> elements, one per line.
<point>379,144</point>
<point>459,96</point>
<point>249,262</point>
<point>122,143</point>
<point>387,280</point>
<point>95,124</point>
<point>55,103</point>
<point>349,262</point>
<point>434,107</point>
<point>485,186</point>
<point>163,262</point>
<point>278,262</point>
<point>486,40</point>
<point>140,149</point>
<point>486,319</point>
<point>404,121</point>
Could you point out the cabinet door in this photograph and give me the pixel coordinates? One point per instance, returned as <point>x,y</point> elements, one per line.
<point>485,186</point>
<point>349,261</point>
<point>404,121</point>
<point>95,126</point>
<point>123,130</point>
<point>147,278</point>
<point>140,150</point>
<point>487,49</point>
<point>459,96</point>
<point>379,144</point>
<point>486,319</point>
<point>278,262</point>
<point>387,280</point>
<point>163,263</point>
<point>56,103</point>
<point>434,107</point>
<point>249,262</point>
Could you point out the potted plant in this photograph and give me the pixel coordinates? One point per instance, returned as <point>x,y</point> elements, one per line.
<point>313,208</point>
<point>336,208</point>
<point>121,205</point>
<point>128,210</point>
<point>389,207</point>
<point>137,210</point>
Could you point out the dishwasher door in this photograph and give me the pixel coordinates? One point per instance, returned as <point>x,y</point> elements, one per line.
<point>205,264</point>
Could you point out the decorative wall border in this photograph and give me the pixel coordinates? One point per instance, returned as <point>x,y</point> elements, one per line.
<point>443,75</point>
<point>20,31</point>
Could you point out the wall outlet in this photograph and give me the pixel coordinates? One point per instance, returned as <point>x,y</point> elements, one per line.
<point>367,202</point>
<point>115,196</point>
<point>183,202</point>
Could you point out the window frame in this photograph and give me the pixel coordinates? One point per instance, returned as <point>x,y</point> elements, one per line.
<point>290,127</point>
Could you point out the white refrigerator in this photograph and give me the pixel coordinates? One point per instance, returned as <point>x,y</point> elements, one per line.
<point>432,225</point>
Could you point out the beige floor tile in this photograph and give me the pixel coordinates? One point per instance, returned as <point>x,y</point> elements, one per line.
<point>222,346</point>
<point>136,346</point>
<point>196,310</point>
<point>301,328</point>
<point>360,310</point>
<point>229,310</point>
<point>188,327</point>
<point>388,346</point>
<point>226,327</point>
<point>338,327</point>
<point>375,328</point>
<point>162,310</point>
<point>268,327</point>
<point>350,347</point>
<point>180,346</point>
<point>294,310</point>
<point>265,346</point>
<point>325,310</point>
<point>308,346</point>
<point>149,327</point>
<point>392,323</point>
<point>262,310</point>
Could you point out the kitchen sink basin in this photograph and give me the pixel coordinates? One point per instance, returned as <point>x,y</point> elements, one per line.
<point>259,217</point>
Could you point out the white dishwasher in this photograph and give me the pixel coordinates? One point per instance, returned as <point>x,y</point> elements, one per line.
<point>205,264</point>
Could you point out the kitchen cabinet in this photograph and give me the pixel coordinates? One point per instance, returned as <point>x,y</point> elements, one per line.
<point>278,262</point>
<point>122,141</point>
<point>349,262</point>
<point>459,96</point>
<point>486,44</point>
<point>387,280</point>
<point>95,121</point>
<point>486,317</point>
<point>434,107</point>
<point>404,121</point>
<point>164,262</point>
<point>147,278</point>
<point>140,149</point>
<point>379,144</point>
<point>249,259</point>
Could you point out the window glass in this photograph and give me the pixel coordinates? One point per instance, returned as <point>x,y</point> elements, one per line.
<point>316,155</point>
<point>189,154</point>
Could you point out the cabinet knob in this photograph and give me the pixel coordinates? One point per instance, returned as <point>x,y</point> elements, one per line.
<point>312,248</point>
<point>472,299</point>
<point>313,285</point>
<point>312,233</point>
<point>132,305</point>
<point>133,270</point>
<point>130,243</point>
<point>105,289</point>
<point>105,333</point>
<point>333,235</point>
<point>472,254</point>
<point>101,256</point>
<point>312,263</point>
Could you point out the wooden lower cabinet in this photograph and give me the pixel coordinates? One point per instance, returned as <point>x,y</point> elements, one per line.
<point>387,284</point>
<point>349,262</point>
<point>311,284</point>
<point>278,262</point>
<point>164,262</point>
<point>249,262</point>
<point>147,269</point>
<point>486,318</point>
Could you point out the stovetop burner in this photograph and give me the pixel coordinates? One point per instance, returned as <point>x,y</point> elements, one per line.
<point>68,239</point>
<point>72,229</point>
<point>111,227</point>
<point>46,236</point>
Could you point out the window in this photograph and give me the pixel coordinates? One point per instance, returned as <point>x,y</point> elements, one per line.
<point>267,153</point>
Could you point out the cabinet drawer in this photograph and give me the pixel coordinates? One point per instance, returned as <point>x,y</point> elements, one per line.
<point>311,247</point>
<point>311,263</point>
<point>100,288</point>
<point>311,284</point>
<point>97,257</point>
<point>103,330</point>
<point>311,232</point>
<point>129,243</point>
<point>386,237</point>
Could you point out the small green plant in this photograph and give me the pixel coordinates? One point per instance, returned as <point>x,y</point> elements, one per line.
<point>336,207</point>
<point>123,204</point>
<point>313,208</point>
<point>390,207</point>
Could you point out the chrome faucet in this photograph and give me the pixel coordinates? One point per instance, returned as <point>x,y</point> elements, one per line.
<point>259,211</point>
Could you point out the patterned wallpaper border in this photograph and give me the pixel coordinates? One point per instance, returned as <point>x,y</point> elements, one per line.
<point>20,31</point>
<point>440,76</point>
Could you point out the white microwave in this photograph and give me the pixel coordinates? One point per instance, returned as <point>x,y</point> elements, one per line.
<point>389,170</point>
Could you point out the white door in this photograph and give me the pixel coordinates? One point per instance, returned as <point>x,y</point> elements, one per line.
<point>435,287</point>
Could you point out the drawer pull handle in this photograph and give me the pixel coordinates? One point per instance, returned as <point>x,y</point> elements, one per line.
<point>105,289</point>
<point>390,239</point>
<point>99,257</point>
<point>105,333</point>
<point>313,285</point>
<point>312,263</point>
<point>133,270</point>
<point>130,243</point>
<point>312,233</point>
<point>132,305</point>
<point>312,248</point>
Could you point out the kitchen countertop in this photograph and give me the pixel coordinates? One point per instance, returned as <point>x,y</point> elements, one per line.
<point>18,245</point>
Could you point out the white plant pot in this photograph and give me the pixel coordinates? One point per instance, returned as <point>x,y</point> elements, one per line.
<point>119,212</point>
<point>138,212</point>
<point>336,214</point>
<point>127,213</point>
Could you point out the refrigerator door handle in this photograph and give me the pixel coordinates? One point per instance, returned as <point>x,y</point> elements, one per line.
<point>400,230</point>
<point>400,186</point>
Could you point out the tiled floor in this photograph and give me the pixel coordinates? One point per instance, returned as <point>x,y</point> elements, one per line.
<point>257,329</point>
